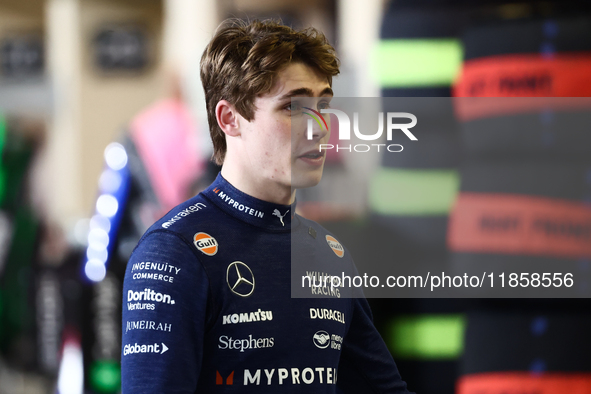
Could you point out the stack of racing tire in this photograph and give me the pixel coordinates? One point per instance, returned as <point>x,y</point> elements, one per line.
<point>523,206</point>
<point>411,193</point>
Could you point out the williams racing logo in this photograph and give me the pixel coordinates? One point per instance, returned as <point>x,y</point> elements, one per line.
<point>335,245</point>
<point>205,243</point>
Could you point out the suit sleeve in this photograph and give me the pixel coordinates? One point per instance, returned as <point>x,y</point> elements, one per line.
<point>366,364</point>
<point>165,307</point>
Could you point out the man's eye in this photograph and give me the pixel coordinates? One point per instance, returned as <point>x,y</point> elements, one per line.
<point>323,105</point>
<point>294,107</point>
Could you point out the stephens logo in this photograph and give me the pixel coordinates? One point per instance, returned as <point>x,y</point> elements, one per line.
<point>335,245</point>
<point>205,243</point>
<point>245,344</point>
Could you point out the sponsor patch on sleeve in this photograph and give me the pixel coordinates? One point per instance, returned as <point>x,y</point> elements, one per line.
<point>335,245</point>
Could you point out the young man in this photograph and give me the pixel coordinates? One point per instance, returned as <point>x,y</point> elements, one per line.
<point>207,305</point>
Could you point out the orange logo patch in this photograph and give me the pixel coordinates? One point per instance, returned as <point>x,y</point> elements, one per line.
<point>335,245</point>
<point>205,243</point>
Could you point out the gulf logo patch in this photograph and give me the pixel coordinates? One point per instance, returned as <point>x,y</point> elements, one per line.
<point>205,243</point>
<point>335,245</point>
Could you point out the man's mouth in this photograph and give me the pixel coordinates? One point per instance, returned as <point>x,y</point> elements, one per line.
<point>313,155</point>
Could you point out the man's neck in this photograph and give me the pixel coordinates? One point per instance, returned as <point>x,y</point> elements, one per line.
<point>263,189</point>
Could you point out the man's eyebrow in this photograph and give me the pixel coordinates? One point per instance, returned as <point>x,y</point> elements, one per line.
<point>305,92</point>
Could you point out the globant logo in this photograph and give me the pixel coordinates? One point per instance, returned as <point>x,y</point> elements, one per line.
<point>136,349</point>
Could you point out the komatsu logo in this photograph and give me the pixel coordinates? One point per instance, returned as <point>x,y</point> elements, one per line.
<point>259,315</point>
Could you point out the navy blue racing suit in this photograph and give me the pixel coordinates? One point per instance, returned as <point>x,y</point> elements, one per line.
<point>207,306</point>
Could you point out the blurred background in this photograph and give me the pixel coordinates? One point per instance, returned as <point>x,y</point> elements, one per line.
<point>103,130</point>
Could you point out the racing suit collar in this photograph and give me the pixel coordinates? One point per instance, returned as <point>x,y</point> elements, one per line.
<point>249,209</point>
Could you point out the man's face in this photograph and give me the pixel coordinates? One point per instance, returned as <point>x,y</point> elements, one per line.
<point>275,152</point>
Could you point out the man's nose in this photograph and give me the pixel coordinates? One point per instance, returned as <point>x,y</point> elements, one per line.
<point>316,131</point>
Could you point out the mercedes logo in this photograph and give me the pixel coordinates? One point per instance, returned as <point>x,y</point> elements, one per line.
<point>240,279</point>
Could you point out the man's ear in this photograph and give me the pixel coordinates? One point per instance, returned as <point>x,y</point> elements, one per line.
<point>228,118</point>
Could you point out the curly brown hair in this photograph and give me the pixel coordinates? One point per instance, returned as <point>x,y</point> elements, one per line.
<point>242,60</point>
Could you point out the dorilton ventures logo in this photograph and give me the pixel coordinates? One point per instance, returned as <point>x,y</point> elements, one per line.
<point>345,130</point>
<point>149,295</point>
<point>205,243</point>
